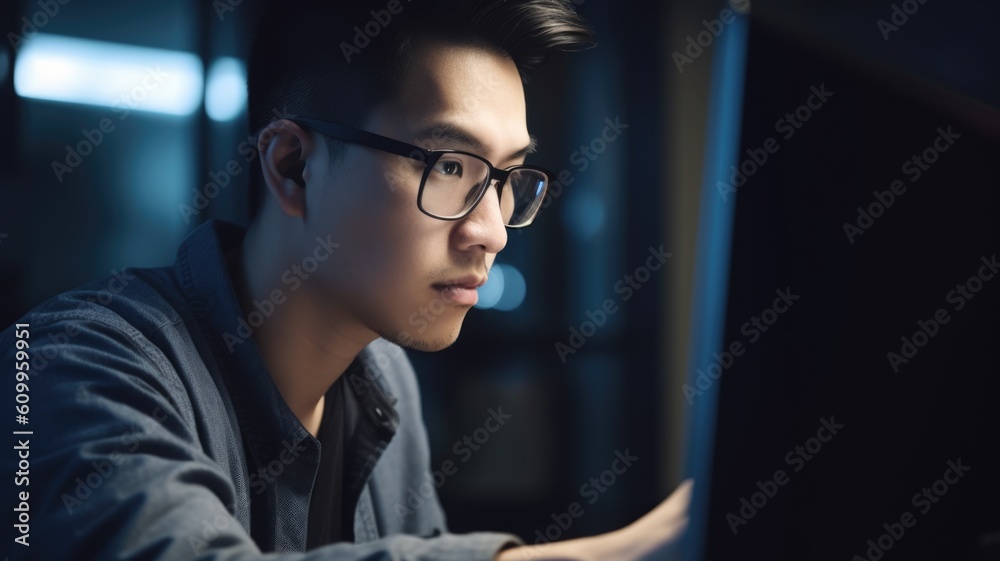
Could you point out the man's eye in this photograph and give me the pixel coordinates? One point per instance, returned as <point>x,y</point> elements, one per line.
<point>449,167</point>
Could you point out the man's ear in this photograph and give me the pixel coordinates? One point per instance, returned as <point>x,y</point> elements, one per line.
<point>284,147</point>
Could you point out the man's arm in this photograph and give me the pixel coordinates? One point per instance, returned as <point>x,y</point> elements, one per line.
<point>117,470</point>
<point>655,536</point>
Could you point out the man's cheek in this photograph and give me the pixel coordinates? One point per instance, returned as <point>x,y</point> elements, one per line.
<point>375,273</point>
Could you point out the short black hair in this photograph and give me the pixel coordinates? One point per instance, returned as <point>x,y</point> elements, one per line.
<point>339,60</point>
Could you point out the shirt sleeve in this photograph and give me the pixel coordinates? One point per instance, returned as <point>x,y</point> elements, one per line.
<point>117,470</point>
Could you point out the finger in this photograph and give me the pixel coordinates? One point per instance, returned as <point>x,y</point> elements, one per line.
<point>677,504</point>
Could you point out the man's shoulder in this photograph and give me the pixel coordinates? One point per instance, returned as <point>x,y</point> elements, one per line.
<point>140,307</point>
<point>134,295</point>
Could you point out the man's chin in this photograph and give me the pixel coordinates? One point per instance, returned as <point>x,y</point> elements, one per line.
<point>426,342</point>
<point>427,346</point>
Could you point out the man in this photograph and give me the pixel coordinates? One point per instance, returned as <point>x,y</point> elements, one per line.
<point>249,399</point>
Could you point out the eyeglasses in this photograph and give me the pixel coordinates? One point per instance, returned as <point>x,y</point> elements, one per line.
<point>453,181</point>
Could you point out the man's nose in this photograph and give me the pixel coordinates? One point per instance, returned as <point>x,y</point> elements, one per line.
<point>484,226</point>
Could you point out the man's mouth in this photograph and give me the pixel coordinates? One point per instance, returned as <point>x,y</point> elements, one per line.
<point>460,291</point>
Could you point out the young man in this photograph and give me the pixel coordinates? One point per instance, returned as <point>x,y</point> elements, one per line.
<point>251,398</point>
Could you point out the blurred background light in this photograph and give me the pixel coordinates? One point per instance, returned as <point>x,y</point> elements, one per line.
<point>58,68</point>
<point>225,92</point>
<point>490,293</point>
<point>514,289</point>
<point>584,214</point>
<point>504,290</point>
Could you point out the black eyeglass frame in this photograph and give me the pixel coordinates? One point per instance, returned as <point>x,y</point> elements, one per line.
<point>427,157</point>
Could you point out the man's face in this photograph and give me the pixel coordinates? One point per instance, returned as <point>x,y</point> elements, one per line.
<point>396,270</point>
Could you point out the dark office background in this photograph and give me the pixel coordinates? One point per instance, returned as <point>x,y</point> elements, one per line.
<point>621,390</point>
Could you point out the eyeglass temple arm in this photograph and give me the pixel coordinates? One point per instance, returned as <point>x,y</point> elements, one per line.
<point>365,138</point>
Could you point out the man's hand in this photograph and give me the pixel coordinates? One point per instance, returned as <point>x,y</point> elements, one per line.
<point>654,537</point>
